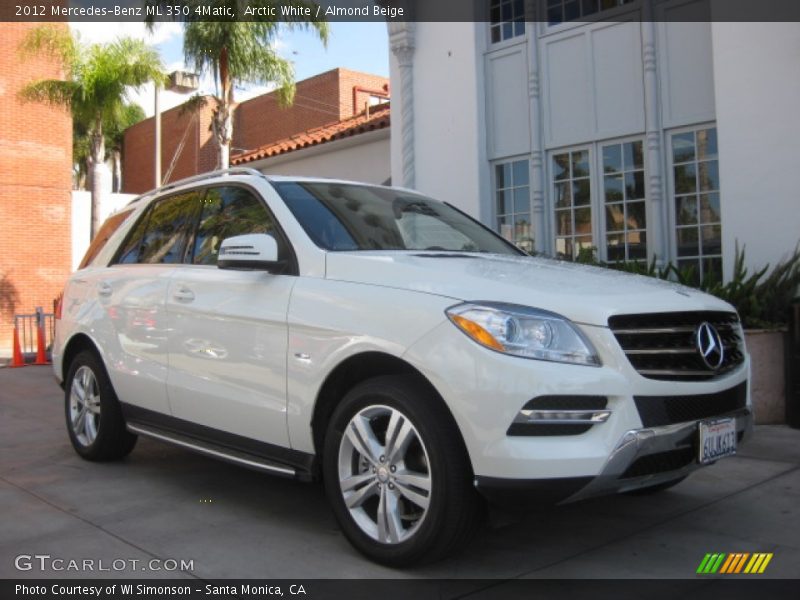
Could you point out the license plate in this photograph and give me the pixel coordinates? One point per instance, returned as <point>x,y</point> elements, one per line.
<point>717,440</point>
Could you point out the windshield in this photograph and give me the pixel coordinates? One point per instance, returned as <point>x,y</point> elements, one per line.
<point>346,217</point>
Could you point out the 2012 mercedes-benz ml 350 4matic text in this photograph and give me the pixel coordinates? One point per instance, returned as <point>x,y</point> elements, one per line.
<point>393,347</point>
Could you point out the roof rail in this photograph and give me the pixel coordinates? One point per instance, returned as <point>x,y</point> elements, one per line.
<point>200,177</point>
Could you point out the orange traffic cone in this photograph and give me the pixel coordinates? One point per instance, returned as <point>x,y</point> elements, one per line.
<point>41,354</point>
<point>17,359</point>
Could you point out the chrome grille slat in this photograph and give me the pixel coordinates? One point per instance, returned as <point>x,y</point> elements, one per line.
<point>662,351</point>
<point>663,345</point>
<point>653,330</point>
<point>666,372</point>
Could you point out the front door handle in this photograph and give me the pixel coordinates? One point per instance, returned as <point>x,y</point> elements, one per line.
<point>104,289</point>
<point>183,294</point>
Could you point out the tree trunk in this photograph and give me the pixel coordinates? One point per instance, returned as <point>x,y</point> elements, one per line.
<point>100,176</point>
<point>101,182</point>
<point>223,116</point>
<point>224,154</point>
<point>116,158</point>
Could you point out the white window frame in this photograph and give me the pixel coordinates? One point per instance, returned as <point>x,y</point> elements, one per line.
<point>609,14</point>
<point>495,215</point>
<point>591,147</point>
<point>601,201</point>
<point>672,221</point>
<point>514,39</point>
<point>597,191</point>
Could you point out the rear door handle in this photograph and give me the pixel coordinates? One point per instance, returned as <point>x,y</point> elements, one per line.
<point>104,289</point>
<point>183,294</point>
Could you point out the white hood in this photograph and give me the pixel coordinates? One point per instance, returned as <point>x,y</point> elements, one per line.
<point>581,293</point>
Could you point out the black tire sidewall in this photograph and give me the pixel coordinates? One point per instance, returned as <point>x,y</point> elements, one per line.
<point>110,423</point>
<point>416,406</point>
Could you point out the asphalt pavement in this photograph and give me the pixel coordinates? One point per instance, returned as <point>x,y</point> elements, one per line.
<point>165,504</point>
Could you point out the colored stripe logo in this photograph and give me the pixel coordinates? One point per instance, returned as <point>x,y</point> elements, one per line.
<point>734,563</point>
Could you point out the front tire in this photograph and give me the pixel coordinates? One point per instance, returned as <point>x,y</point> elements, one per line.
<point>397,474</point>
<point>94,417</point>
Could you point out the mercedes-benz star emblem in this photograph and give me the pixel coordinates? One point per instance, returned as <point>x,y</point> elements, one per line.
<point>709,345</point>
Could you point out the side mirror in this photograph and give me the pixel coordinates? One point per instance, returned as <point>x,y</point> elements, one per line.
<point>255,251</point>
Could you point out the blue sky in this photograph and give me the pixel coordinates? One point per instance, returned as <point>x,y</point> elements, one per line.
<point>356,46</point>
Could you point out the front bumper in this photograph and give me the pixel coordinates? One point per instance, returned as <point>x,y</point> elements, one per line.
<point>486,392</point>
<point>657,448</point>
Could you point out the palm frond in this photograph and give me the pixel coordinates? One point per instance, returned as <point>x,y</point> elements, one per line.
<point>193,104</point>
<point>52,92</point>
<point>54,42</point>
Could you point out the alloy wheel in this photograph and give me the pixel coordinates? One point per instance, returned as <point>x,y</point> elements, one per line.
<point>84,406</point>
<point>384,474</point>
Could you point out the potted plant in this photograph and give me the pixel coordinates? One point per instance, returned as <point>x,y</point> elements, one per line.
<point>764,301</point>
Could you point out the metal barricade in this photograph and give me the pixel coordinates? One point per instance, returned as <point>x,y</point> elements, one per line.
<point>34,333</point>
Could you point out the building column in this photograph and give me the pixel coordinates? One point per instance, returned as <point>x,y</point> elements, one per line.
<point>541,243</point>
<point>401,42</point>
<point>654,159</point>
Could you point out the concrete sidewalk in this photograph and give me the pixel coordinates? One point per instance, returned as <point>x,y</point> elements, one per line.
<point>165,503</point>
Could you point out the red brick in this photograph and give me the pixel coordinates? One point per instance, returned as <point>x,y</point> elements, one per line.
<point>35,184</point>
<point>321,100</point>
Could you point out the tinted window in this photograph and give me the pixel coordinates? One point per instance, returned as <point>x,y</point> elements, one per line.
<point>106,231</point>
<point>159,238</point>
<point>130,249</point>
<point>320,223</point>
<point>359,217</point>
<point>230,211</point>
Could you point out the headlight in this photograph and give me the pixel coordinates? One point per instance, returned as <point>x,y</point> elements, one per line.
<point>523,331</point>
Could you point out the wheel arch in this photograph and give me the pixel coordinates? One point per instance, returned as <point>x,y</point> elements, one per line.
<point>77,344</point>
<point>354,370</point>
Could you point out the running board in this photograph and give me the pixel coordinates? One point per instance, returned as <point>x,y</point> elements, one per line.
<point>209,449</point>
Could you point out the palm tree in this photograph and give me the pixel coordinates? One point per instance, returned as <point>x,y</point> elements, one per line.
<point>114,137</point>
<point>81,155</point>
<point>241,52</point>
<point>96,81</point>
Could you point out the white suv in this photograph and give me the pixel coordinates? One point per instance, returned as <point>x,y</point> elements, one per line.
<point>393,347</point>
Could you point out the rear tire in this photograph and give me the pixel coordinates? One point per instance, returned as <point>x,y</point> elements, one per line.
<point>397,474</point>
<point>93,413</point>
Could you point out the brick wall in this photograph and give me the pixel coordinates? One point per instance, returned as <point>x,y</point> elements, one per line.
<point>362,84</point>
<point>35,184</point>
<point>139,156</point>
<point>320,100</point>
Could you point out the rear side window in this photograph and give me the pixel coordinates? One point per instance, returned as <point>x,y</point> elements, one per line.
<point>160,236</point>
<point>229,211</point>
<point>106,231</point>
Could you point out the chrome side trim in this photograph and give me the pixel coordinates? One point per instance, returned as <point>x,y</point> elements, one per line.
<point>230,456</point>
<point>637,443</point>
<point>562,417</point>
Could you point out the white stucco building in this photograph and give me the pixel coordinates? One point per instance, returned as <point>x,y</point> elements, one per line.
<point>356,149</point>
<point>656,131</point>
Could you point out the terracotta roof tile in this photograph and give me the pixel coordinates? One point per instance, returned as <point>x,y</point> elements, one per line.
<point>378,118</point>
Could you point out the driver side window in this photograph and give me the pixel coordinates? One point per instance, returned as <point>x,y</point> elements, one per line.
<point>229,211</point>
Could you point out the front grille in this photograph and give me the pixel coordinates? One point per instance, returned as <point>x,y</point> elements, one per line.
<point>557,403</point>
<point>666,410</point>
<point>661,462</point>
<point>664,345</point>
